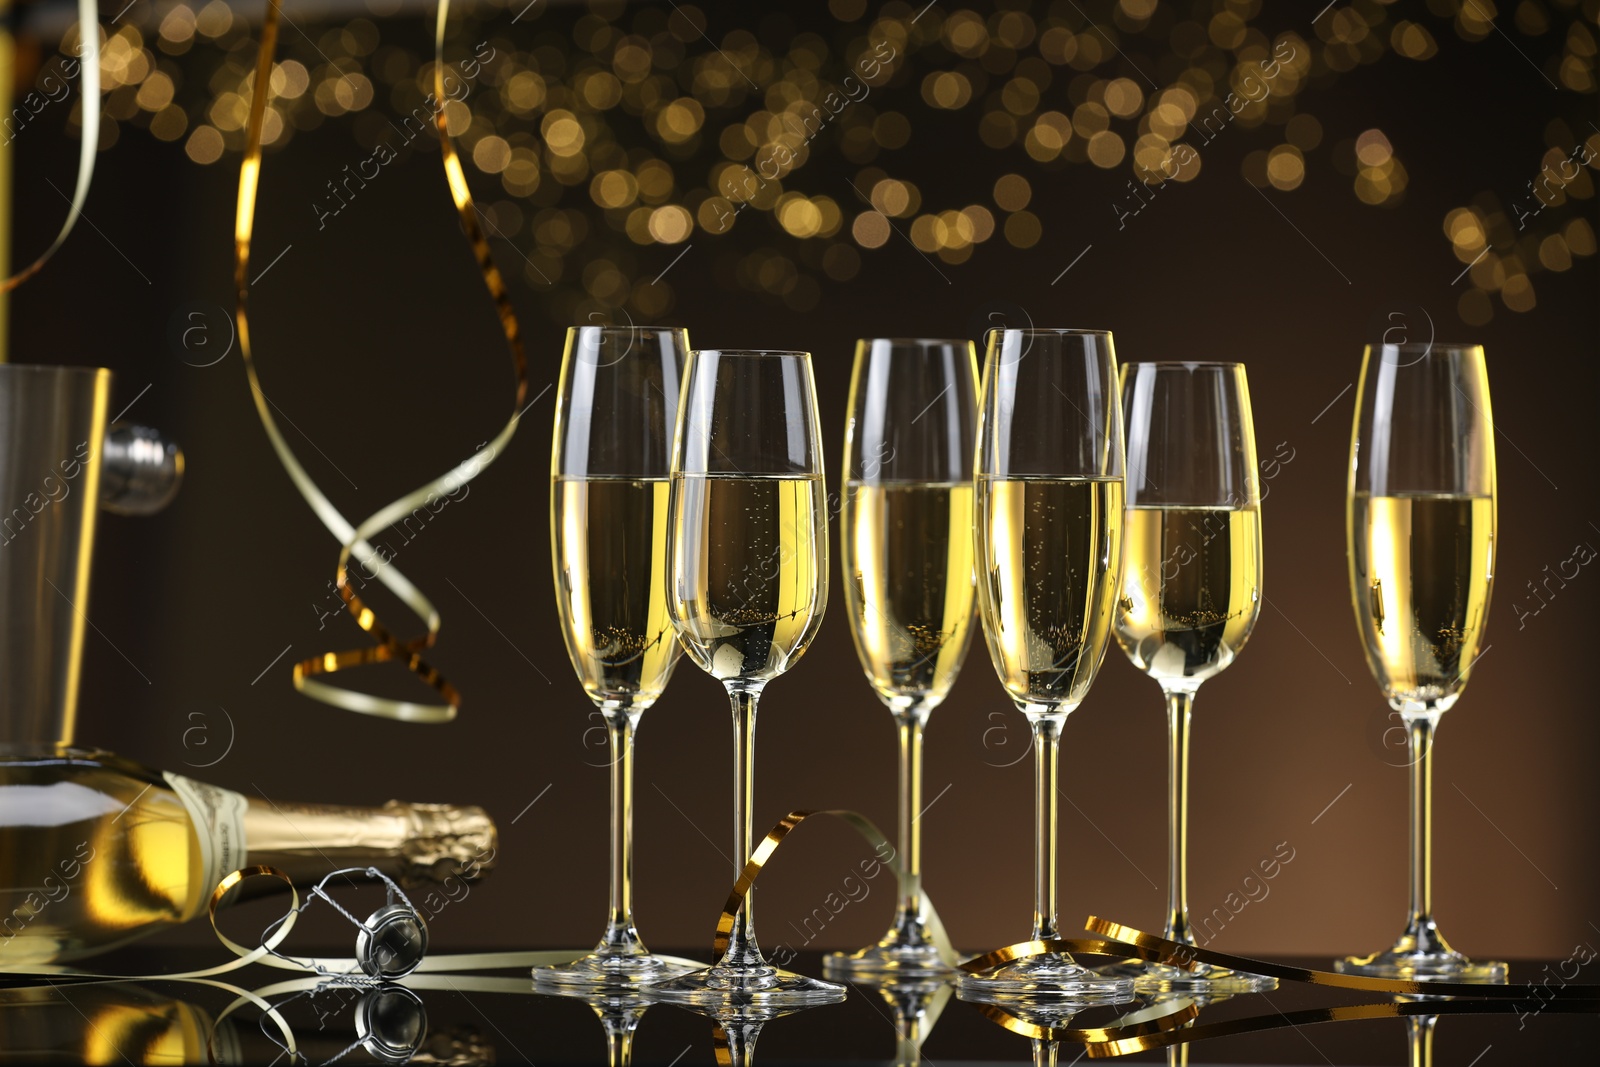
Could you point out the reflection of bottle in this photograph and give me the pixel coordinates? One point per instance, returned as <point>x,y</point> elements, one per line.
<point>96,851</point>
<point>110,1024</point>
<point>123,1023</point>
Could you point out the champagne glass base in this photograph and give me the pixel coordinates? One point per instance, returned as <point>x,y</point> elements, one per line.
<point>1049,976</point>
<point>887,960</point>
<point>1204,980</point>
<point>608,972</point>
<point>1413,966</point>
<point>740,987</point>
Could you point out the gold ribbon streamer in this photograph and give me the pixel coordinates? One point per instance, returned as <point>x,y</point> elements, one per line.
<point>315,965</point>
<point>787,825</point>
<point>1124,1037</point>
<point>89,141</point>
<point>1173,952</point>
<point>1135,1026</point>
<point>388,648</point>
<point>1072,946</point>
<point>1113,1044</point>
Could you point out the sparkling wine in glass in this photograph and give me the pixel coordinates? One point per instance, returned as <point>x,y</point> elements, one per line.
<point>906,542</point>
<point>615,412</point>
<point>1191,584</point>
<point>1048,556</point>
<point>747,582</point>
<point>1421,528</point>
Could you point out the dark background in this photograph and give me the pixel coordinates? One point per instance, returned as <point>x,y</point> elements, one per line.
<point>375,338</point>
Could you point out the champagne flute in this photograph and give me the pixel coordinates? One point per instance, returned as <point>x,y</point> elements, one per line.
<point>615,409</point>
<point>907,546</point>
<point>747,582</point>
<point>1048,548</point>
<point>1191,583</point>
<point>1421,528</point>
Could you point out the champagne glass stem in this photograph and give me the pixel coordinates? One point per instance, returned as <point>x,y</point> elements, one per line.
<point>911,722</point>
<point>1421,726</point>
<point>739,1038</point>
<point>1179,704</point>
<point>619,1046</point>
<point>1047,777</point>
<point>908,1043</point>
<point>621,934</point>
<point>1421,1044</point>
<point>742,948</point>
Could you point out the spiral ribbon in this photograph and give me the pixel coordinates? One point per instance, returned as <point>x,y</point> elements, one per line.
<point>89,138</point>
<point>354,539</point>
<point>1173,952</point>
<point>786,826</point>
<point>1177,1025</point>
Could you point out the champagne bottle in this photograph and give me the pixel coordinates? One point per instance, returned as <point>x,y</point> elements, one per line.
<point>96,851</point>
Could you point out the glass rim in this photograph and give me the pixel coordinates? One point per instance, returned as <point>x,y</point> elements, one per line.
<point>58,370</point>
<point>922,341</point>
<point>1424,347</point>
<point>612,328</point>
<point>1043,331</point>
<point>1188,364</point>
<point>751,353</point>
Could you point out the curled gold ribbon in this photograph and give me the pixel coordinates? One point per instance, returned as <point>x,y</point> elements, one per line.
<point>317,966</point>
<point>1136,1026</point>
<point>1088,946</point>
<point>355,539</point>
<point>1132,1034</point>
<point>1172,951</point>
<point>89,143</point>
<point>787,825</point>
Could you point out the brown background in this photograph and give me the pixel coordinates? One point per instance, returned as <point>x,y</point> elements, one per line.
<point>375,338</point>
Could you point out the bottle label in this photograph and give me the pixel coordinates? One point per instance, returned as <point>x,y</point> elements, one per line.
<point>218,817</point>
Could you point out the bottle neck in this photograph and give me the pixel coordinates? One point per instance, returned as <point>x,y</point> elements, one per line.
<point>406,842</point>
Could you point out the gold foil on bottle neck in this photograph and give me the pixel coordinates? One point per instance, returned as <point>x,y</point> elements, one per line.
<point>445,840</point>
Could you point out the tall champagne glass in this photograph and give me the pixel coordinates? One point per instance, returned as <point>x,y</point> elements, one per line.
<point>1191,582</point>
<point>615,411</point>
<point>1421,527</point>
<point>747,582</point>
<point>1048,555</point>
<point>907,546</point>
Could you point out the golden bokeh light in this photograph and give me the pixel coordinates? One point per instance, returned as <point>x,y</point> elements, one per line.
<point>680,120</point>
<point>1023,230</point>
<point>947,89</point>
<point>1373,148</point>
<point>1517,293</point>
<point>1123,97</point>
<point>1579,237</point>
<point>799,216</point>
<point>491,154</point>
<point>981,219</point>
<point>671,224</point>
<point>562,133</point>
<point>609,189</point>
<point>870,229</point>
<point>893,198</point>
<point>1554,253</point>
<point>1049,135</point>
<point>1106,149</point>
<point>1012,192</point>
<point>650,122</point>
<point>1286,167</point>
<point>204,145</point>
